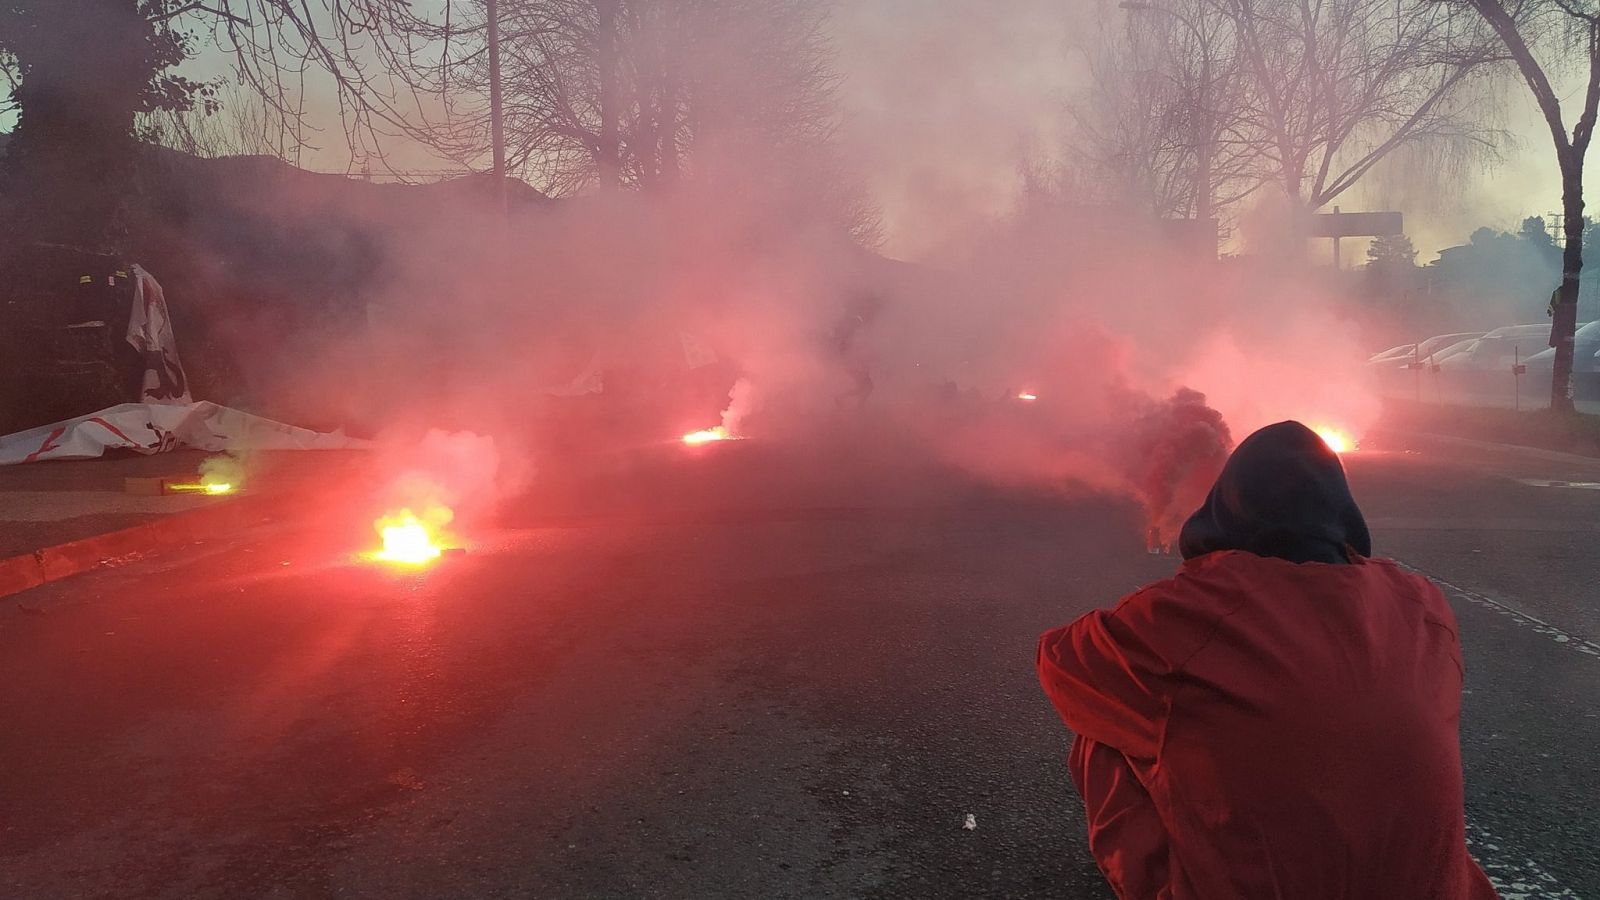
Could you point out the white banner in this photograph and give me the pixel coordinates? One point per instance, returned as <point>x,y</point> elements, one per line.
<point>150,332</point>
<point>158,427</point>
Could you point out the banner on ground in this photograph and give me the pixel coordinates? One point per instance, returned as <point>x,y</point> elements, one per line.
<point>158,427</point>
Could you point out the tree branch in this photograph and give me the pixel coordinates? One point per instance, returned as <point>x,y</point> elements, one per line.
<point>196,7</point>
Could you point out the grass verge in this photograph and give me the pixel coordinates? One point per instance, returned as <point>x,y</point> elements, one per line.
<point>1566,432</point>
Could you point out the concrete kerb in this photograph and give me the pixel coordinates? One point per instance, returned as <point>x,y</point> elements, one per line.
<point>1519,449</point>
<point>19,573</point>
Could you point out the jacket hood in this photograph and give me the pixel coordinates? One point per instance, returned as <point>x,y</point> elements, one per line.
<point>1282,494</point>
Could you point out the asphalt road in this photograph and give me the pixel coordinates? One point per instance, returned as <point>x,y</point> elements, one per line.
<point>795,689</point>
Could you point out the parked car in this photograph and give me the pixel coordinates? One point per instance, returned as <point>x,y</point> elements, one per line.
<point>1438,342</point>
<point>1404,350</point>
<point>1400,375</point>
<point>1585,344</point>
<point>1585,362</point>
<point>1460,346</point>
<point>1421,351</point>
<point>1499,349</point>
<point>1485,373</point>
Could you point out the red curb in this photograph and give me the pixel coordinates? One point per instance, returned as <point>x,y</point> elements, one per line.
<point>20,573</point>
<point>77,556</point>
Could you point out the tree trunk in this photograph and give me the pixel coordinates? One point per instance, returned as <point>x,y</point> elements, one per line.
<point>497,131</point>
<point>608,157</point>
<point>1564,312</point>
<point>667,132</point>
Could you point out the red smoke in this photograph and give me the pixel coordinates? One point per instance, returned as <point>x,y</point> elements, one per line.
<point>1174,450</point>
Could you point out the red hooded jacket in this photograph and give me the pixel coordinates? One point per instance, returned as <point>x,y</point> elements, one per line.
<point>1260,728</point>
<point>1263,725</point>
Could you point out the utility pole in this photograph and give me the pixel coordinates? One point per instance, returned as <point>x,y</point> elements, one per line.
<point>497,132</point>
<point>1338,263</point>
<point>1558,234</point>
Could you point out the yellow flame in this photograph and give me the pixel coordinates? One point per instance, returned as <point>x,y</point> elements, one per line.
<point>1027,395</point>
<point>707,436</point>
<point>199,488</point>
<point>410,540</point>
<point>1338,441</point>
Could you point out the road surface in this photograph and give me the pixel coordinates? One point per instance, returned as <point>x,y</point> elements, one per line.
<point>779,693</point>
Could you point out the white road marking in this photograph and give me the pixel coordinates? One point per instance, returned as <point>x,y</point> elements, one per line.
<point>1513,878</point>
<point>1514,875</point>
<point>1533,623</point>
<point>1549,483</point>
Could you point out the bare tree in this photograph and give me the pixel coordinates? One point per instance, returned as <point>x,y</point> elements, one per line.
<point>633,93</point>
<point>1541,37</point>
<point>638,94</point>
<point>86,76</point>
<point>608,93</point>
<point>1335,87</point>
<point>1160,126</point>
<point>1126,130</point>
<point>240,124</point>
<point>370,52</point>
<point>1307,95</point>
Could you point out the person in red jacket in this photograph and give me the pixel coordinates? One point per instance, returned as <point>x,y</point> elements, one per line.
<point>1280,718</point>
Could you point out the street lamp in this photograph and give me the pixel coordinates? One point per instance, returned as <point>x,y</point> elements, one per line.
<point>1203,137</point>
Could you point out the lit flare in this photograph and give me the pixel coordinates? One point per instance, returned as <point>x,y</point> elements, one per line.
<point>707,436</point>
<point>1337,440</point>
<point>212,488</point>
<point>408,539</point>
<point>1028,395</point>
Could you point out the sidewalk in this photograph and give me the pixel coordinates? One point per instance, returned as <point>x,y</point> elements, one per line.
<point>59,518</point>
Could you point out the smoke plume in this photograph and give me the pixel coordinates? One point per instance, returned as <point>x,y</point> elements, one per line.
<point>1175,450</point>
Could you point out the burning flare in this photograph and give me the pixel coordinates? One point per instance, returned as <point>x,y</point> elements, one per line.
<point>1337,440</point>
<point>1027,395</point>
<point>718,433</point>
<point>408,539</point>
<point>219,487</point>
<point>223,473</point>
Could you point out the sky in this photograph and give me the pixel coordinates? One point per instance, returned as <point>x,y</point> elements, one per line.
<point>942,100</point>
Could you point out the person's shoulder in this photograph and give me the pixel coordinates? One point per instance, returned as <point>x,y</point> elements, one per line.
<point>1223,574</point>
<point>1413,586</point>
<point>1224,579</point>
<point>1198,590</point>
<point>1154,592</point>
<point>1177,616</point>
<point>1214,561</point>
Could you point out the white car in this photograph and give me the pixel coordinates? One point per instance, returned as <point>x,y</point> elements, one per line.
<point>1486,371</point>
<point>1585,344</point>
<point>1498,350</point>
<point>1453,349</point>
<point>1404,350</point>
<point>1419,353</point>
